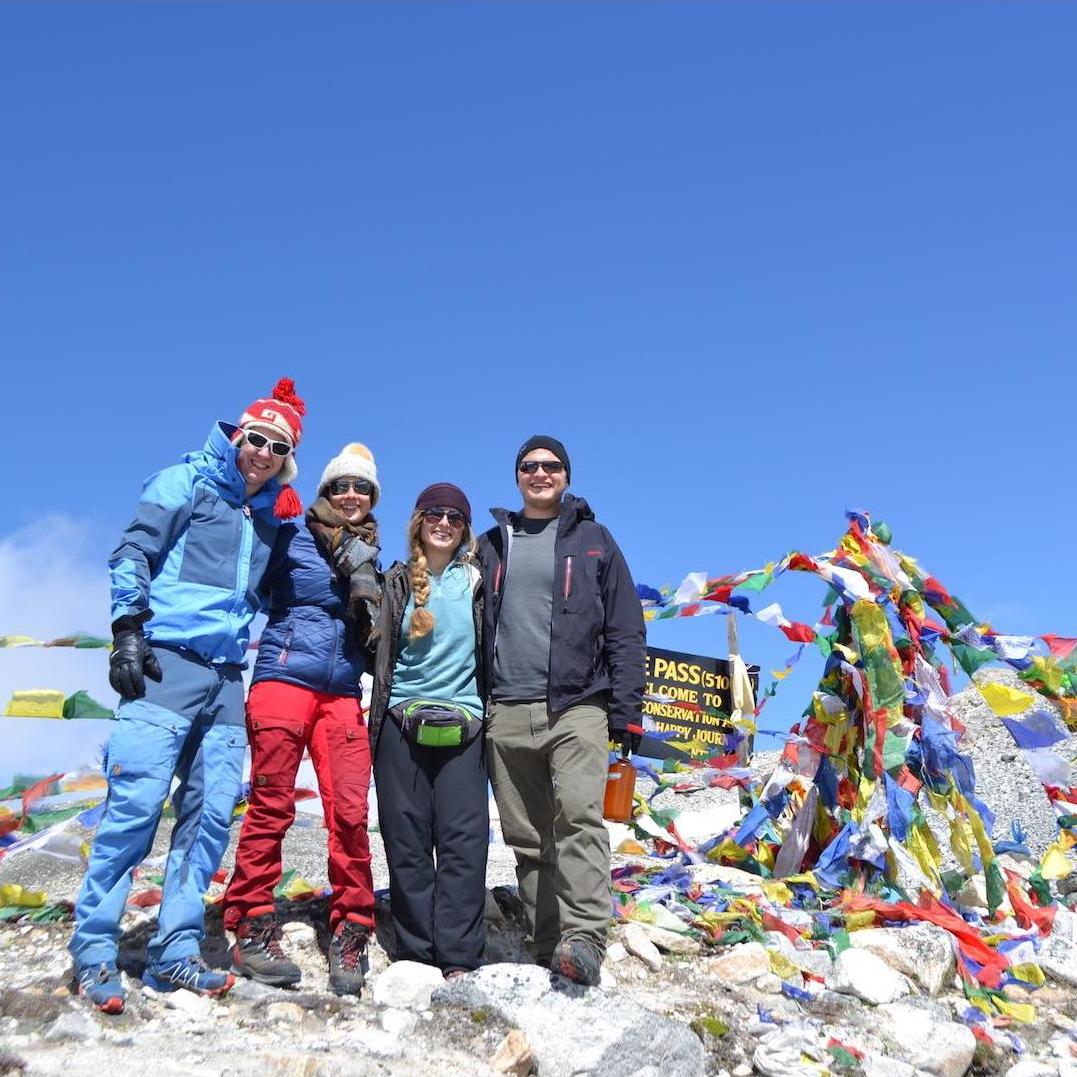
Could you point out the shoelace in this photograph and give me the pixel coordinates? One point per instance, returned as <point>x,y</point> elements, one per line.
<point>187,974</point>
<point>269,939</point>
<point>352,946</point>
<point>100,975</point>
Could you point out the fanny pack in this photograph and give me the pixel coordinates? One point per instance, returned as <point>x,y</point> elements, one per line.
<point>433,723</point>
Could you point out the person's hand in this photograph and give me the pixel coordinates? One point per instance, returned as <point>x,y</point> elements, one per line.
<point>131,661</point>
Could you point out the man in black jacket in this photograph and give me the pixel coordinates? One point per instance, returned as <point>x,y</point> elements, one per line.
<point>563,652</point>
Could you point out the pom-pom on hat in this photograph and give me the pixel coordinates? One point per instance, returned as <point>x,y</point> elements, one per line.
<point>280,415</point>
<point>354,461</point>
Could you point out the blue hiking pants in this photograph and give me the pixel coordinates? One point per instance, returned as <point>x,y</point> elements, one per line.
<point>191,725</point>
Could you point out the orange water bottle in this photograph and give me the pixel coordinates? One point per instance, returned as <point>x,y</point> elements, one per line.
<point>620,785</point>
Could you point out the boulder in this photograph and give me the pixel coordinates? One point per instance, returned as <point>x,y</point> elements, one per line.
<point>637,942</point>
<point>742,963</point>
<point>407,985</point>
<point>1058,959</point>
<point>922,952</point>
<point>861,973</point>
<point>574,1029</point>
<point>671,942</point>
<point>927,1039</point>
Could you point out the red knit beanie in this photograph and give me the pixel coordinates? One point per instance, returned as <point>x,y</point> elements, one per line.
<point>280,413</point>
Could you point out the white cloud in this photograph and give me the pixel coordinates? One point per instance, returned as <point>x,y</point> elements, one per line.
<point>53,581</point>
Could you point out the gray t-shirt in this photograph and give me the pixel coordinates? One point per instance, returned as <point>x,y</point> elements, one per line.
<point>522,653</point>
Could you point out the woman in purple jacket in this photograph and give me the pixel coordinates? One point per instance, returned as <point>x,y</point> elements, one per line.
<point>324,590</point>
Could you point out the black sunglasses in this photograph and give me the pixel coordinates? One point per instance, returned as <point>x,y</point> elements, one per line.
<point>342,486</point>
<point>259,441</point>
<point>551,467</point>
<point>433,516</point>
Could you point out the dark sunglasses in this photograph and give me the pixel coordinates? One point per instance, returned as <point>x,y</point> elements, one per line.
<point>433,516</point>
<point>259,441</point>
<point>342,486</point>
<point>551,467</point>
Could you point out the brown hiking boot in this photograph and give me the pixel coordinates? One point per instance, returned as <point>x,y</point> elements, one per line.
<point>257,953</point>
<point>348,961</point>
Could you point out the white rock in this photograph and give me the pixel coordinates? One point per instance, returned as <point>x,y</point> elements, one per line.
<point>189,1003</point>
<point>1058,959</point>
<point>1031,1067</point>
<point>671,942</point>
<point>700,824</point>
<point>775,940</point>
<point>379,1042</point>
<point>883,1066</point>
<point>941,1047</point>
<point>399,1022</point>
<point>75,1026</point>
<point>861,973</point>
<point>407,985</point>
<point>285,1013</point>
<point>769,984</point>
<point>922,952</point>
<point>616,953</point>
<point>299,934</point>
<point>636,942</point>
<point>742,963</point>
<point>817,962</point>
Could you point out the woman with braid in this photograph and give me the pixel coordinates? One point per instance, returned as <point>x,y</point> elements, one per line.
<point>426,724</point>
<point>324,591</point>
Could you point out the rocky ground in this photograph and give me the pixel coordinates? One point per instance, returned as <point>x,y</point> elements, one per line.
<point>889,1006</point>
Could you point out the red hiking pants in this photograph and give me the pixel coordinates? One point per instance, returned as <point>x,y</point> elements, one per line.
<point>282,720</point>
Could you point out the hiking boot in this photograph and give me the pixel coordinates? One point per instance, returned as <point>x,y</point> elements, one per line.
<point>101,985</point>
<point>189,972</point>
<point>348,961</point>
<point>578,959</point>
<point>257,953</point>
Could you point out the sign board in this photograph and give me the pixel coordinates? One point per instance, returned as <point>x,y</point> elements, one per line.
<point>693,685</point>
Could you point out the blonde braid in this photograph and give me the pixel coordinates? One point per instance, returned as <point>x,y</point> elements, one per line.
<point>422,620</point>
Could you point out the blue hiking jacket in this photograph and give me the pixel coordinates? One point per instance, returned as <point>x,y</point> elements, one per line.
<point>195,553</point>
<point>307,642</point>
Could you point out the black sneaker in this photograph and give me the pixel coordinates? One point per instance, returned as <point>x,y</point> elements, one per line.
<point>578,959</point>
<point>348,961</point>
<point>257,953</point>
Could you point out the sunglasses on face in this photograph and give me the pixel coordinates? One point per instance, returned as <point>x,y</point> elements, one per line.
<point>433,516</point>
<point>259,441</point>
<point>551,467</point>
<point>342,486</point>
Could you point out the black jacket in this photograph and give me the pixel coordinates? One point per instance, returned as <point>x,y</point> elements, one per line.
<point>597,640</point>
<point>394,600</point>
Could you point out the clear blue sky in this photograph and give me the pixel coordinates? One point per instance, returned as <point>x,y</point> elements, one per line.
<point>753,263</point>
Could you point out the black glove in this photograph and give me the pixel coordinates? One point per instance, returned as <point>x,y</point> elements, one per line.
<point>131,660</point>
<point>629,736</point>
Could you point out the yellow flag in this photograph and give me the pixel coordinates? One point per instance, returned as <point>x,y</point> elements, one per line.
<point>1004,700</point>
<point>856,920</point>
<point>14,894</point>
<point>37,703</point>
<point>1054,864</point>
<point>1019,1011</point>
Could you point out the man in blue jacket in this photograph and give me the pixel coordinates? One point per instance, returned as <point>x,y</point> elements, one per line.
<point>184,583</point>
<point>564,649</point>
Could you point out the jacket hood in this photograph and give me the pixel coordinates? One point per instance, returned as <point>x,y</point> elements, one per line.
<point>217,462</point>
<point>573,511</point>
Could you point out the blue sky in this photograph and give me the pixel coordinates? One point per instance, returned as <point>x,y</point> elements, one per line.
<point>753,263</point>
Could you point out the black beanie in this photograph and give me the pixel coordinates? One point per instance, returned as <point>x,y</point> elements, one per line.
<point>542,441</point>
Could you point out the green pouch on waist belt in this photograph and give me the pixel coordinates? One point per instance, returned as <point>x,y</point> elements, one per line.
<point>433,723</point>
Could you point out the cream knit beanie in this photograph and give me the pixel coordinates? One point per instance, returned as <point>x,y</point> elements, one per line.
<point>354,461</point>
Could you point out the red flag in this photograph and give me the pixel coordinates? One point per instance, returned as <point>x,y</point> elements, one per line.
<point>1060,646</point>
<point>798,633</point>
